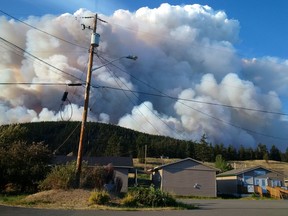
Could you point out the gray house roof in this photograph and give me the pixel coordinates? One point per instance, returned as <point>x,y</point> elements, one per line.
<point>271,175</point>
<point>179,161</point>
<point>120,162</point>
<point>237,172</point>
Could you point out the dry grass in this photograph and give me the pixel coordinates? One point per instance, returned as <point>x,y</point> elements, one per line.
<point>71,199</point>
<point>78,199</point>
<point>281,167</point>
<point>278,166</point>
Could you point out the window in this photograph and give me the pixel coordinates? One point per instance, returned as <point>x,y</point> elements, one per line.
<point>276,183</point>
<point>263,182</point>
<point>256,181</point>
<point>259,172</point>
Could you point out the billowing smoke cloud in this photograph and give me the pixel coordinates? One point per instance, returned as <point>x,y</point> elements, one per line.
<point>185,52</point>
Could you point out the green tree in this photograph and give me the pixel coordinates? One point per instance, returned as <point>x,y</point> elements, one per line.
<point>113,146</point>
<point>250,154</point>
<point>24,165</point>
<point>231,153</point>
<point>266,157</point>
<point>285,156</point>
<point>261,151</point>
<point>242,153</point>
<point>12,133</point>
<point>219,149</point>
<point>203,151</point>
<point>275,153</point>
<point>221,164</point>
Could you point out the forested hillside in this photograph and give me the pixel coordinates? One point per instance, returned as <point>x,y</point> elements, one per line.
<point>110,140</point>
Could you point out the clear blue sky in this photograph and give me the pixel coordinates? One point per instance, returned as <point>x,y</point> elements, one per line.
<point>263,22</point>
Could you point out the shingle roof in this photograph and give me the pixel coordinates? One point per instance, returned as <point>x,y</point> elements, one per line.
<point>236,172</point>
<point>271,175</point>
<point>92,161</point>
<point>179,161</point>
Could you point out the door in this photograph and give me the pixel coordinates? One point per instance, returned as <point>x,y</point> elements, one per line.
<point>263,184</point>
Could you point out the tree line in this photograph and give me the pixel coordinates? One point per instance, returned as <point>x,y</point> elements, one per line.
<point>109,140</point>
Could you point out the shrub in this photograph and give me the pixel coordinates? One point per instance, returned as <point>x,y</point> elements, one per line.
<point>60,177</point>
<point>129,200</point>
<point>149,197</point>
<point>93,178</point>
<point>99,197</point>
<point>23,165</point>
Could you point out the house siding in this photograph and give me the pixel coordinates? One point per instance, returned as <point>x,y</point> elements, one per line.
<point>122,173</point>
<point>227,185</point>
<point>243,183</point>
<point>189,178</point>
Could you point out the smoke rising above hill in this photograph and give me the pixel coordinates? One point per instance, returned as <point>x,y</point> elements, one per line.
<point>185,52</point>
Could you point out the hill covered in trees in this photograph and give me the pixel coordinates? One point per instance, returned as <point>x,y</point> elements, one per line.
<point>110,140</point>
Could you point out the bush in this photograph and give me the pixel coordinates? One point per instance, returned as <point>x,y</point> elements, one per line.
<point>93,178</point>
<point>60,177</point>
<point>129,200</point>
<point>23,165</point>
<point>149,197</point>
<point>99,197</point>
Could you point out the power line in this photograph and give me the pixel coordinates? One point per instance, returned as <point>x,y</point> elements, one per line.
<point>196,101</point>
<point>150,94</point>
<point>35,57</point>
<point>41,83</point>
<point>162,95</point>
<point>47,33</point>
<point>114,75</point>
<point>210,116</point>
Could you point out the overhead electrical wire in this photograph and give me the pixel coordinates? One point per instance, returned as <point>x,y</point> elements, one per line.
<point>124,27</point>
<point>161,95</point>
<point>114,75</point>
<point>31,26</point>
<point>147,93</point>
<point>35,57</point>
<point>197,101</point>
<point>208,115</point>
<point>41,83</point>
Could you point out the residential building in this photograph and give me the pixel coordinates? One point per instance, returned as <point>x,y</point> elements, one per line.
<point>121,165</point>
<point>243,181</point>
<point>187,177</point>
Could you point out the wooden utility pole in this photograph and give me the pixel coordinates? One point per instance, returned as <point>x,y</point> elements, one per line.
<point>86,102</point>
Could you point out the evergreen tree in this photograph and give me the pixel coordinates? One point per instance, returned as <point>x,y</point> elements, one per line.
<point>242,154</point>
<point>231,153</point>
<point>260,151</point>
<point>275,154</point>
<point>203,151</point>
<point>221,164</point>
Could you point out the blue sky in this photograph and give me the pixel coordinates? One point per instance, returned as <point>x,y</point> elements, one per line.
<point>263,23</point>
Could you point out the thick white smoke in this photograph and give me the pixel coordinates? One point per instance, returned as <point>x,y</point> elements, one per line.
<point>185,52</point>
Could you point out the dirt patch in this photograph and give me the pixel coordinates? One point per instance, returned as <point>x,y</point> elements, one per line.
<point>72,199</point>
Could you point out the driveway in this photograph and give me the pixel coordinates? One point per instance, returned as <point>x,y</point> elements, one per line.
<point>206,208</point>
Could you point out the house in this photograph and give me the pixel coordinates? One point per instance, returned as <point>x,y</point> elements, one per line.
<point>243,181</point>
<point>121,165</point>
<point>186,177</point>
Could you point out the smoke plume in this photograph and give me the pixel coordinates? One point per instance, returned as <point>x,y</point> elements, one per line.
<point>188,79</point>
